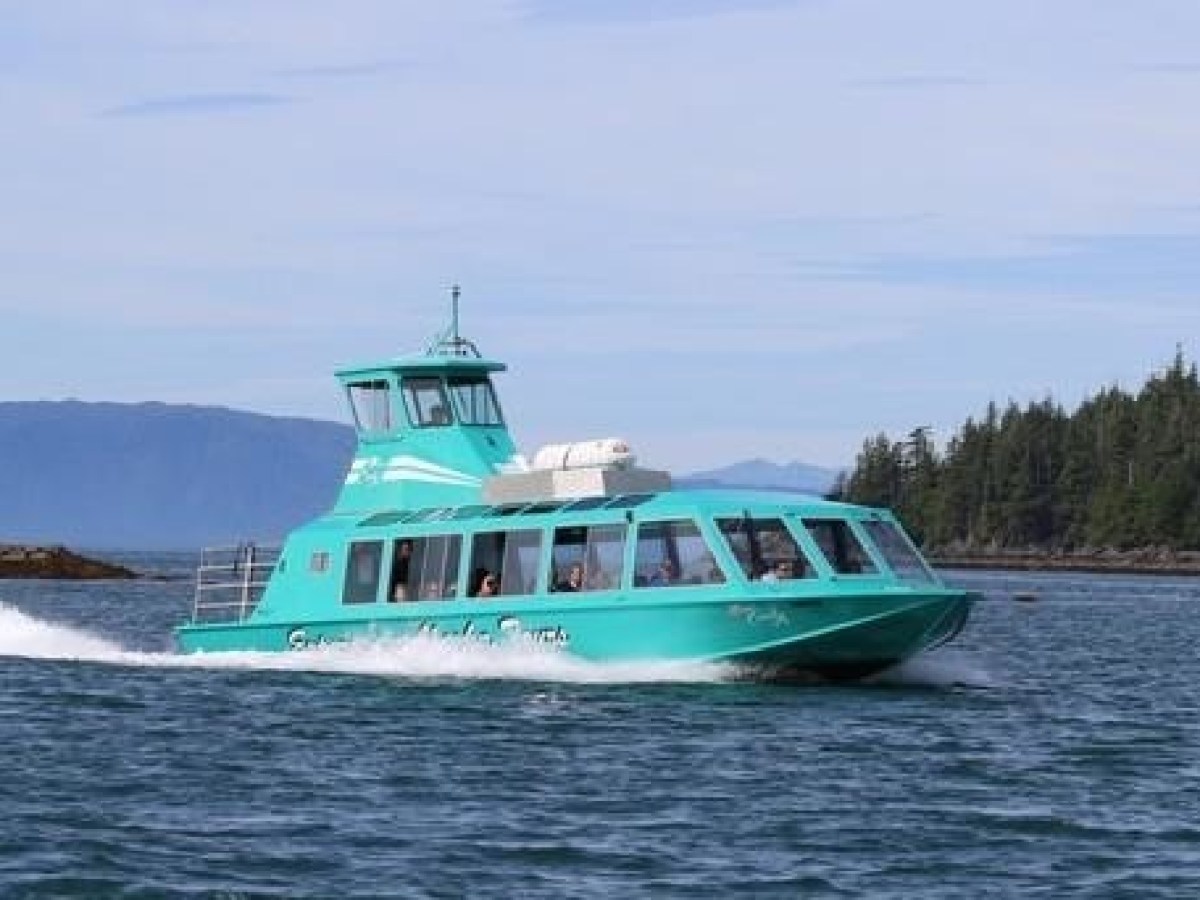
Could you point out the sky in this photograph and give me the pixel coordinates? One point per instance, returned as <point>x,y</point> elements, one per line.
<point>720,230</point>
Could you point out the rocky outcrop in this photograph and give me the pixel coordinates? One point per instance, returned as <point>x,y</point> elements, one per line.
<point>25,561</point>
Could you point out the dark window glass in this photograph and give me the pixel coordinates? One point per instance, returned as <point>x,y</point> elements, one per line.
<point>425,401</point>
<point>372,405</point>
<point>587,503</point>
<point>841,548</point>
<point>765,549</point>
<point>674,554</point>
<point>507,509</point>
<point>362,572</point>
<point>425,568</point>
<point>898,551</point>
<point>629,500</point>
<point>470,512</point>
<point>544,507</point>
<point>383,518</point>
<point>474,400</point>
<point>590,558</point>
<point>504,562</point>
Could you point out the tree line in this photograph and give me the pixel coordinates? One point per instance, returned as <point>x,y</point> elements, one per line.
<point>1122,471</point>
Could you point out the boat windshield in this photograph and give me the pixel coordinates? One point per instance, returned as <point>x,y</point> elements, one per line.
<point>475,401</point>
<point>372,406</point>
<point>842,549</point>
<point>899,553</point>
<point>425,400</point>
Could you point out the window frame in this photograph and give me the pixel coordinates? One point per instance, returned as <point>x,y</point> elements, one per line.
<point>412,389</point>
<point>493,414</point>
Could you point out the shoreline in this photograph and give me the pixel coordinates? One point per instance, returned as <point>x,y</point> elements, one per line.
<point>1100,562</point>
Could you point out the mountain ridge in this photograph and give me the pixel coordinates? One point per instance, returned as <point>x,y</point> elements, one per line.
<point>154,475</point>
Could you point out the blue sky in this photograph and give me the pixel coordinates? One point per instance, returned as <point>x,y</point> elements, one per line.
<point>718,229</point>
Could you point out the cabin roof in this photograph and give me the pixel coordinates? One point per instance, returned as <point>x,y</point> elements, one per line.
<point>674,502</point>
<point>424,364</point>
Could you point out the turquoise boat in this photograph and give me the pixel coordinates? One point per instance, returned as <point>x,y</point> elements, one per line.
<point>442,528</point>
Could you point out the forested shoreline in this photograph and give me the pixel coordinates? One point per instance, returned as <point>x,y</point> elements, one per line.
<point>1121,473</point>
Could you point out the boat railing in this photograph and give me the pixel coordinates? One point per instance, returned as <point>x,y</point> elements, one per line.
<point>231,581</point>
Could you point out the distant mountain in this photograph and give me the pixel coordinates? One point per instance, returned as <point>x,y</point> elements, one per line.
<point>160,476</point>
<point>765,475</point>
<point>153,475</point>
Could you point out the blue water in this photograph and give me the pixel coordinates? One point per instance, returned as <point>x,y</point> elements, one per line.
<point>1053,751</point>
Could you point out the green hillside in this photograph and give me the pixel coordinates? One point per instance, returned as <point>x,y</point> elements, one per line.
<point>1122,471</point>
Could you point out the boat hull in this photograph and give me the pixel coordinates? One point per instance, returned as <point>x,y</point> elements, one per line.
<point>838,637</point>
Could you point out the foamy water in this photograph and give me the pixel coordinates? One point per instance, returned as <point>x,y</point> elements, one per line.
<point>419,656</point>
<point>422,656</point>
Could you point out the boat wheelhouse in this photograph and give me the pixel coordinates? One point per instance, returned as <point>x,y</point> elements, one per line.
<point>441,527</point>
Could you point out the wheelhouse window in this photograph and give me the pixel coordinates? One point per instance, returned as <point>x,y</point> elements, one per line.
<point>504,562</point>
<point>371,402</point>
<point>475,401</point>
<point>899,553</point>
<point>362,572</point>
<point>765,549</point>
<point>588,558</point>
<point>841,548</point>
<point>425,401</point>
<point>425,568</point>
<point>674,554</point>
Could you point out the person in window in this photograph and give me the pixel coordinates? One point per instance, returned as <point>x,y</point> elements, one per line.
<point>400,571</point>
<point>574,579</point>
<point>438,415</point>
<point>489,585</point>
<point>785,569</point>
<point>665,574</point>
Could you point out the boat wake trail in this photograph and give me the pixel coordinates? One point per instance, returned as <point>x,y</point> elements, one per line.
<point>418,657</point>
<point>942,668</point>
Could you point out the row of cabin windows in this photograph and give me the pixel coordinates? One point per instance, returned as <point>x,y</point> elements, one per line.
<point>429,402</point>
<point>592,558</point>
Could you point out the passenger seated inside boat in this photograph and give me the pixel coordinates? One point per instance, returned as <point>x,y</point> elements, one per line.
<point>439,416</point>
<point>665,574</point>
<point>489,585</point>
<point>400,567</point>
<point>574,579</point>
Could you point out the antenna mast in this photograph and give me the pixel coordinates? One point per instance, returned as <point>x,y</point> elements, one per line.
<point>455,291</point>
<point>450,342</point>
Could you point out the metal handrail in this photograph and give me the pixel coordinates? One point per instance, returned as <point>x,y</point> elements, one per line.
<point>232,578</point>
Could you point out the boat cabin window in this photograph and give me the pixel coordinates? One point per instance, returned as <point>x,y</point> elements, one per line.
<point>474,400</point>
<point>425,401</point>
<point>899,553</point>
<point>504,562</point>
<point>371,403</point>
<point>587,558</point>
<point>425,568</point>
<point>840,546</point>
<point>362,572</point>
<point>674,554</point>
<point>587,503</point>
<point>765,549</point>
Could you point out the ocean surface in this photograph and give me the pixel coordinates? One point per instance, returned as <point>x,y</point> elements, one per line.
<point>1053,751</point>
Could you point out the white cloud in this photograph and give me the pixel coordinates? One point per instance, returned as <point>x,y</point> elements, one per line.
<point>315,177</point>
